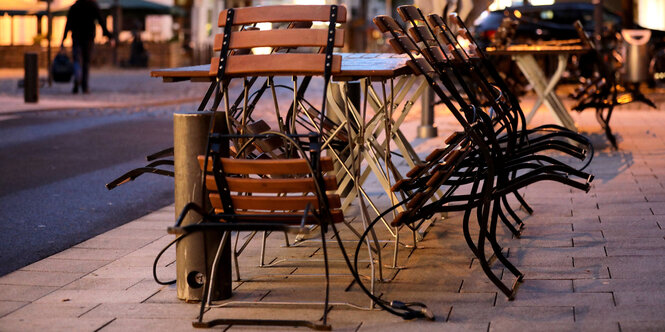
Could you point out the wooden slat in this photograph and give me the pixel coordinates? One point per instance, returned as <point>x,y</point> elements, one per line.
<point>268,166</point>
<point>402,44</point>
<point>272,185</point>
<point>276,64</point>
<point>408,12</point>
<point>275,203</point>
<point>421,30</point>
<point>415,170</point>
<point>454,137</point>
<point>285,218</point>
<point>437,54</point>
<point>422,65</point>
<point>279,38</point>
<point>386,23</point>
<point>285,13</point>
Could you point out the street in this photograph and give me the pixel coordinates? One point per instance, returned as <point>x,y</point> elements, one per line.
<point>54,166</point>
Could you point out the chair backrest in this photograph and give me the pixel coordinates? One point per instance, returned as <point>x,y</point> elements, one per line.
<point>270,187</point>
<point>244,33</point>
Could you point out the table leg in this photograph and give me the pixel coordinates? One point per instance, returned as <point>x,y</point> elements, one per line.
<point>545,88</point>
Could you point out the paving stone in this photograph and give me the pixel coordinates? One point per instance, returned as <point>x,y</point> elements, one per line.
<point>129,233</point>
<point>625,243</point>
<point>551,256</point>
<point>654,297</point>
<point>618,285</point>
<point>65,265</point>
<point>21,293</point>
<point>533,314</point>
<point>149,324</point>
<point>40,278</point>
<point>101,242</point>
<point>91,282</point>
<point>611,251</point>
<point>553,273</point>
<point>652,231</point>
<point>642,326</point>
<point>630,313</point>
<point>626,225</point>
<point>508,325</point>
<point>600,300</point>
<point>91,254</point>
<point>63,310</point>
<point>7,307</point>
<point>626,267</point>
<point>482,284</point>
<point>132,295</point>
<point>185,311</point>
<point>40,323</point>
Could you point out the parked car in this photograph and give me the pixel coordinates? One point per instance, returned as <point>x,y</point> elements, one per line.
<point>542,22</point>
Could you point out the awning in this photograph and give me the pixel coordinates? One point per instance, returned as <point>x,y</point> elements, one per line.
<point>21,7</point>
<point>132,7</point>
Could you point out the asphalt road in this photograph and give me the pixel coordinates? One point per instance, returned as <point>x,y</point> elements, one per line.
<point>53,168</point>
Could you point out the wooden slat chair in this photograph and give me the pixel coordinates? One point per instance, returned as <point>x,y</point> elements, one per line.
<point>604,92</point>
<point>490,158</point>
<point>285,195</point>
<point>296,50</point>
<point>267,200</point>
<point>518,143</point>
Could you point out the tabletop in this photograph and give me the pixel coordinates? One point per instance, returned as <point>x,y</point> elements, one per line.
<point>354,65</point>
<point>536,49</point>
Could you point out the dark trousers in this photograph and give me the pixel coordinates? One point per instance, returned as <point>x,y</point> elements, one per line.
<point>81,52</point>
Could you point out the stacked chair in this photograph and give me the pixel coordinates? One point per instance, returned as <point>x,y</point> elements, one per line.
<point>495,156</point>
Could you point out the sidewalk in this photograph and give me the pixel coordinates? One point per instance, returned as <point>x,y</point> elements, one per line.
<point>109,88</point>
<point>593,261</point>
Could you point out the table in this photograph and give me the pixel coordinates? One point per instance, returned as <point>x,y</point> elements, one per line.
<point>376,133</point>
<point>365,67</point>
<point>523,55</point>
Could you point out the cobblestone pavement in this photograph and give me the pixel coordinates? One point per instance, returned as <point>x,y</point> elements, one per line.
<point>593,261</point>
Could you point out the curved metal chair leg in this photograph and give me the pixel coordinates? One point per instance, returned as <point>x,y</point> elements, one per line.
<point>516,231</point>
<point>484,264</point>
<point>523,203</point>
<point>491,237</point>
<point>512,213</point>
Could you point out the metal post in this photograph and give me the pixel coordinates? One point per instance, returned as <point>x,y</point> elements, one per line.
<point>49,34</point>
<point>31,78</point>
<point>426,128</point>
<point>598,21</point>
<point>117,26</point>
<point>195,253</point>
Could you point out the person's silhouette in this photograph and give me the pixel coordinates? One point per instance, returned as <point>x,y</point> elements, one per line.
<point>81,22</point>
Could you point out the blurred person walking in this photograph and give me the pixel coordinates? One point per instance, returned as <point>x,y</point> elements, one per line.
<point>81,22</point>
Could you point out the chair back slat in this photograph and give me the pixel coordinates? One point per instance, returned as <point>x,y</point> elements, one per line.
<point>279,38</point>
<point>276,64</point>
<point>268,166</point>
<point>276,203</point>
<point>282,13</point>
<point>294,46</point>
<point>272,186</point>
